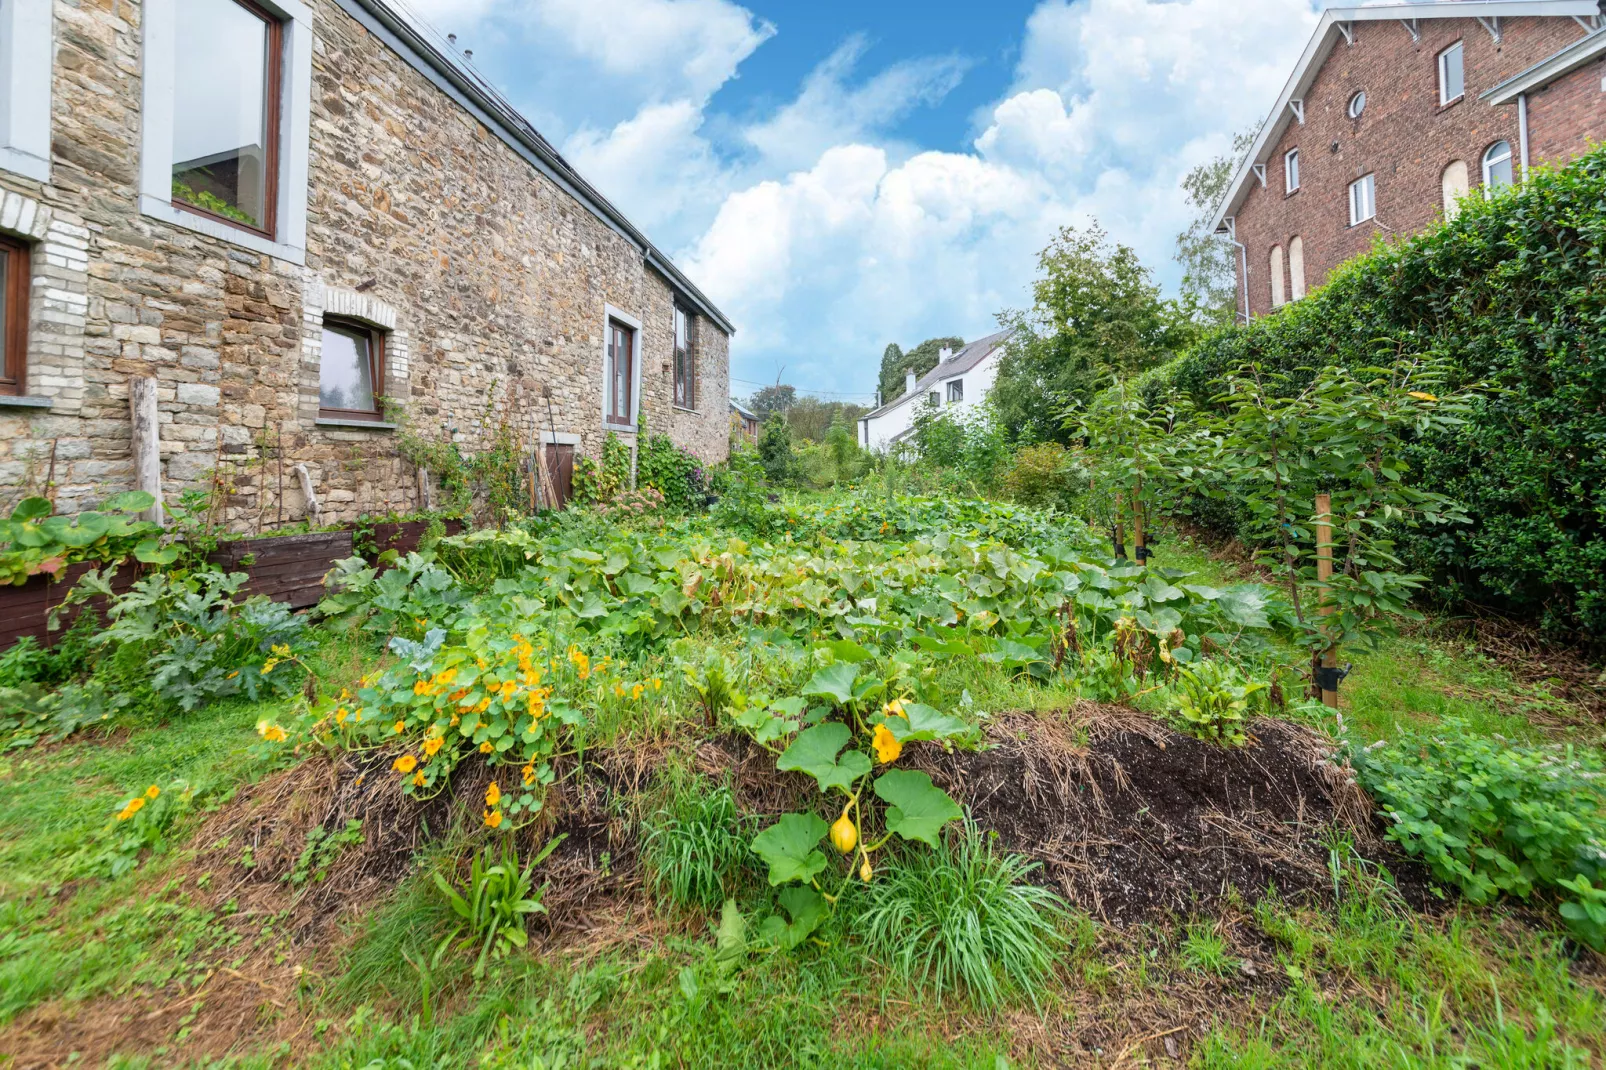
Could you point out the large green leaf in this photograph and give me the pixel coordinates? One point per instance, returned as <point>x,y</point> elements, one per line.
<point>848,650</point>
<point>31,509</point>
<point>924,723</point>
<point>1245,605</point>
<point>790,848</point>
<point>814,752</point>
<point>130,501</point>
<point>835,682</point>
<point>806,909</point>
<point>917,809</point>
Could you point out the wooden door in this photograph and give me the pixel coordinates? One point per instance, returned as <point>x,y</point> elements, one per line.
<point>560,463</point>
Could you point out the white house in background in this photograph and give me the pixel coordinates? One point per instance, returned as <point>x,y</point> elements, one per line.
<point>958,383</point>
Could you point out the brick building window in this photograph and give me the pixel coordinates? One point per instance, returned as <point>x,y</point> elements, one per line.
<point>620,374</point>
<point>1453,186</point>
<point>1357,104</point>
<point>13,317</point>
<point>1362,199</point>
<point>1496,167</point>
<point>1291,170</point>
<point>956,391</point>
<point>228,62</point>
<point>351,373</point>
<point>1452,78</point>
<point>1275,269</point>
<point>685,358</point>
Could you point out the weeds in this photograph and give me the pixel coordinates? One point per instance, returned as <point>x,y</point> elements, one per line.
<point>695,845</point>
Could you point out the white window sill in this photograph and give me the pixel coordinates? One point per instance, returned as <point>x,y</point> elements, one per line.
<point>619,429</point>
<point>12,401</point>
<point>25,164</point>
<point>682,408</point>
<point>360,425</point>
<point>157,208</point>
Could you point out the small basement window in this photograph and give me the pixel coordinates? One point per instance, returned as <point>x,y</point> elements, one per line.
<point>228,59</point>
<point>14,279</point>
<point>351,371</point>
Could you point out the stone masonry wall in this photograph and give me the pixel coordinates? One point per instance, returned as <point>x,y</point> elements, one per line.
<point>1403,136</point>
<point>490,280</point>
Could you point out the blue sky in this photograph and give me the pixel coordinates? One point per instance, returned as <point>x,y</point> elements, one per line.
<point>840,175</point>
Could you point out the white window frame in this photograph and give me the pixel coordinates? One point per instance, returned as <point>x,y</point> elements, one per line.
<point>1444,79</point>
<point>1511,165</point>
<point>25,58</point>
<point>295,120</point>
<point>1291,170</point>
<point>950,387</point>
<point>1356,98</point>
<point>1368,184</point>
<point>610,314</point>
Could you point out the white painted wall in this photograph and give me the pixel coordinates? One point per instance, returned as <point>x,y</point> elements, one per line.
<point>877,433</point>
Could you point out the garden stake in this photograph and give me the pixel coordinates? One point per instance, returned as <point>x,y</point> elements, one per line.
<point>1326,668</point>
<point>1140,549</point>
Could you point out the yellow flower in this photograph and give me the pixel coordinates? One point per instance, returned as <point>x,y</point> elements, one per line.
<point>134,806</point>
<point>422,687</point>
<point>484,704</point>
<point>341,714</point>
<point>445,676</point>
<point>233,674</point>
<point>432,744</point>
<point>887,747</point>
<point>418,779</point>
<point>1422,395</point>
<point>269,665</point>
<point>405,764</point>
<point>152,792</point>
<point>480,662</point>
<point>618,690</point>
<point>635,693</point>
<point>344,694</point>
<point>493,794</point>
<point>657,684</point>
<point>486,748</point>
<point>400,727</point>
<point>493,818</point>
<point>270,732</point>
<point>506,690</point>
<point>528,772</point>
<point>895,709</point>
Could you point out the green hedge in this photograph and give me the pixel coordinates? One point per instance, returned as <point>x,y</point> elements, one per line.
<point>1513,291</point>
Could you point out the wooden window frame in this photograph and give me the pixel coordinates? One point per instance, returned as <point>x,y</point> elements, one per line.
<point>14,331</point>
<point>614,414</point>
<point>376,368</point>
<point>685,361</point>
<point>273,97</point>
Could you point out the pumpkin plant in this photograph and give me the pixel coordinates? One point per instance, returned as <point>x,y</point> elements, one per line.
<point>33,541</point>
<point>851,732</point>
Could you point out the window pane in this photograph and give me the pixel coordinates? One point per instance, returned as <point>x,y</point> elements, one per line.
<point>220,134</point>
<point>346,379</point>
<point>1451,83</point>
<point>5,324</point>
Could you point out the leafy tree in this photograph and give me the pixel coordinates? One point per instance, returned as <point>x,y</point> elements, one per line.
<point>775,450</point>
<point>770,399</point>
<point>891,380</point>
<point>1209,278</point>
<point>843,445</point>
<point>811,418</point>
<point>1096,311</point>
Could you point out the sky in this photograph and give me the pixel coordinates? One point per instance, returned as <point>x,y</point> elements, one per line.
<point>836,176</point>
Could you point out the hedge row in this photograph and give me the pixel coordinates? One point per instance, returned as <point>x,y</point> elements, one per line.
<point>1513,291</point>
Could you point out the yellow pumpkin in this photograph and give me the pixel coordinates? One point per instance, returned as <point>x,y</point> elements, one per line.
<point>864,871</point>
<point>843,835</point>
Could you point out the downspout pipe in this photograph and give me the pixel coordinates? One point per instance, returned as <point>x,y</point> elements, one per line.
<point>1229,230</point>
<point>1522,132</point>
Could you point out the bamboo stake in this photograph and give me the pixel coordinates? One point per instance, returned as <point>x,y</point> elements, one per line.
<point>1140,549</point>
<point>1328,659</point>
<point>1118,533</point>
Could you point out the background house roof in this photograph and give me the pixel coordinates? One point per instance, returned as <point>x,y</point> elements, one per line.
<point>1333,26</point>
<point>967,358</point>
<point>458,80</point>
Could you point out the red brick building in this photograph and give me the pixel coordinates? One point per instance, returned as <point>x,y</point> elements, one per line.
<point>1394,112</point>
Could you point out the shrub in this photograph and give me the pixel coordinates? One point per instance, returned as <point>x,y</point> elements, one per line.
<point>775,451</point>
<point>672,472</point>
<point>695,846</point>
<point>1509,294</point>
<point>962,916</point>
<point>1491,816</point>
<point>1044,476</point>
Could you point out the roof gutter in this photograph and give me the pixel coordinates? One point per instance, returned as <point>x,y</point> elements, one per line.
<point>1547,70</point>
<point>485,105</point>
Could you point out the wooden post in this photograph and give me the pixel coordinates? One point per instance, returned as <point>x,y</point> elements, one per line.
<point>1324,573</point>
<point>1117,534</point>
<point>146,444</point>
<point>1140,551</point>
<point>426,490</point>
<point>314,511</point>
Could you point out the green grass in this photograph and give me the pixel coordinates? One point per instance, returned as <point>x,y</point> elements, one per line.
<point>695,844</point>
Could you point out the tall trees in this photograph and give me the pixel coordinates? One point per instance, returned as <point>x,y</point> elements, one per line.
<point>1096,311</point>
<point>921,359</point>
<point>1209,281</point>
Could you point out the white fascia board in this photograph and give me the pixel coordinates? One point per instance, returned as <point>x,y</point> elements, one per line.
<point>1548,70</point>
<point>1326,34</point>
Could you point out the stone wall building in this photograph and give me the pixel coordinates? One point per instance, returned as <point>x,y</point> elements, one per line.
<point>286,213</point>
<point>1394,112</point>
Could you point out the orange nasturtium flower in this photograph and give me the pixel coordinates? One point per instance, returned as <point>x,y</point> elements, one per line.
<point>152,792</point>
<point>486,748</point>
<point>887,747</point>
<point>134,806</point>
<point>433,744</point>
<point>405,764</point>
<point>493,794</point>
<point>401,726</point>
<point>270,732</point>
<point>418,779</point>
<point>528,773</point>
<point>493,818</point>
<point>635,693</point>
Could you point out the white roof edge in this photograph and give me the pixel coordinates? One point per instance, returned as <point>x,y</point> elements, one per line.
<point>1548,70</point>
<point>1326,33</point>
